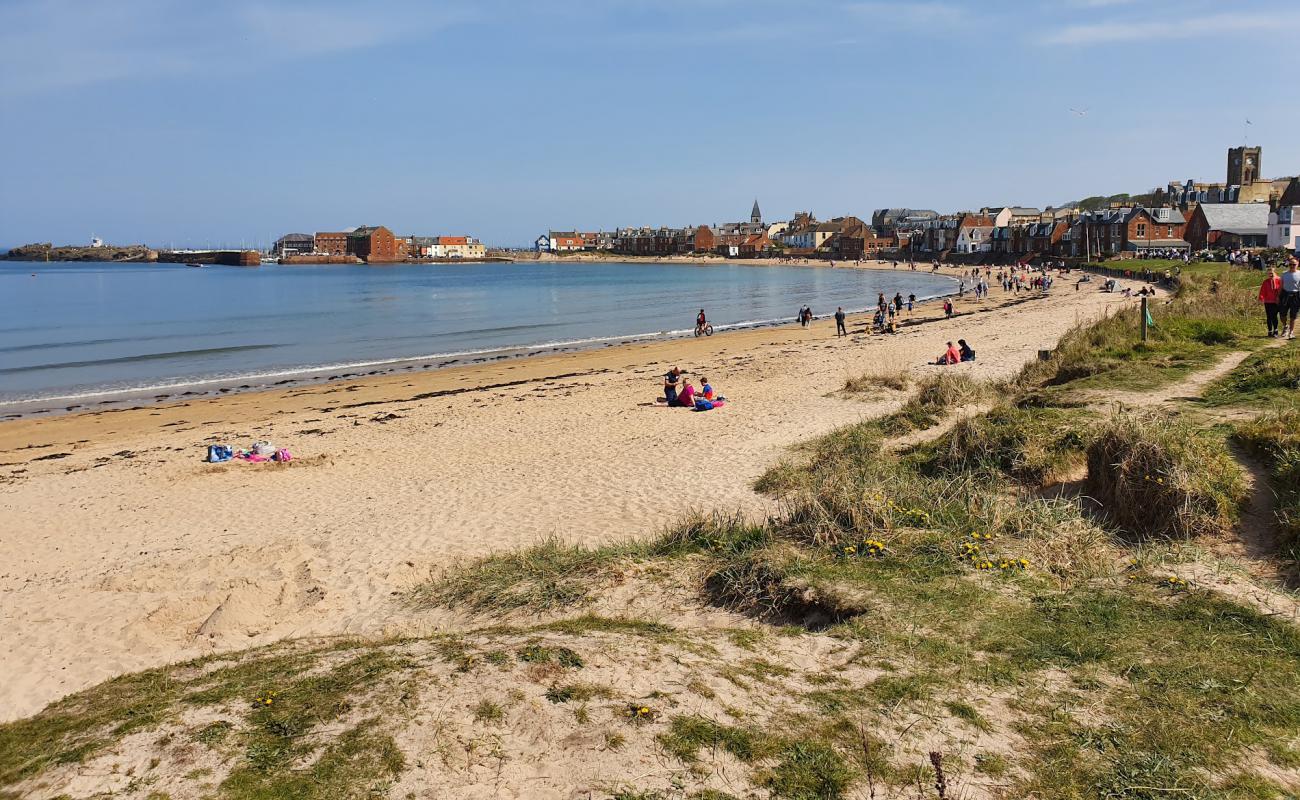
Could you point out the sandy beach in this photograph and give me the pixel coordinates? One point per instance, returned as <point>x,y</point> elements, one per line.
<point>121,549</point>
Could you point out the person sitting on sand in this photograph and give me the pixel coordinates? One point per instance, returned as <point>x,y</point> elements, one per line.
<point>950,356</point>
<point>706,391</point>
<point>670,385</point>
<point>967,354</point>
<point>687,397</point>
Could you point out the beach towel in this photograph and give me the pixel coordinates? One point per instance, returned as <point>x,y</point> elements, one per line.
<point>218,453</point>
<point>703,405</point>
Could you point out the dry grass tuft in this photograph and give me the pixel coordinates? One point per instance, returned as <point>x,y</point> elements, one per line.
<point>1154,477</point>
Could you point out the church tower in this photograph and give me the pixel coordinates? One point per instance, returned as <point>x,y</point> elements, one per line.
<point>756,216</point>
<point>1244,165</point>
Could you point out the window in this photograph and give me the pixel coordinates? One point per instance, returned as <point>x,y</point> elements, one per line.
<point>1141,229</point>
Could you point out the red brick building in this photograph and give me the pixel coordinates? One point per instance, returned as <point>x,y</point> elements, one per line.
<point>332,243</point>
<point>857,239</point>
<point>375,243</point>
<point>1128,230</point>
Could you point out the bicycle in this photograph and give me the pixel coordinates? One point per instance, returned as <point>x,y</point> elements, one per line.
<point>705,329</point>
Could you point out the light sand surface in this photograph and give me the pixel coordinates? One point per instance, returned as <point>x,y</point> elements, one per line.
<point>130,552</point>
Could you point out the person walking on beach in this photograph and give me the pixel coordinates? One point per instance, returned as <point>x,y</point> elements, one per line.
<point>1289,298</point>
<point>947,309</point>
<point>911,303</point>
<point>898,302</point>
<point>1269,291</point>
<point>840,330</point>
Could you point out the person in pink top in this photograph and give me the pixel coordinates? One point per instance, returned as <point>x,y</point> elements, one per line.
<point>686,398</point>
<point>951,356</point>
<point>1269,291</point>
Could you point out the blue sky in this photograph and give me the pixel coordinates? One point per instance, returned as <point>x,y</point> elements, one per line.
<point>229,121</point>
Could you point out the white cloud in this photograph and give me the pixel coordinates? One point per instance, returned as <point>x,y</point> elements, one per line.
<point>48,45</point>
<point>1174,27</point>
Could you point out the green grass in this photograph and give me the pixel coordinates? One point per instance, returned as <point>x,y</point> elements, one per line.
<point>810,771</point>
<point>548,654</point>
<point>688,735</point>
<point>578,693</point>
<point>488,712</point>
<point>1270,377</point>
<point>1191,332</point>
<point>592,623</point>
<point>546,577</point>
<point>284,715</point>
<point>1034,447</point>
<point>359,764</point>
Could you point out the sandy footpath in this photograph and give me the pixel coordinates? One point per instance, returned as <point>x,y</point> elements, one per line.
<point>120,549</point>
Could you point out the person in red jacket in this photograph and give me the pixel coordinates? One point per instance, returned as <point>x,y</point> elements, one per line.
<point>1269,291</point>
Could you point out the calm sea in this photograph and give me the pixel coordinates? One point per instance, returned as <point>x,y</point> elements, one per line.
<point>82,334</point>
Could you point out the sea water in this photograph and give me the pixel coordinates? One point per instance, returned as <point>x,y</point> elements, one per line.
<point>86,333</point>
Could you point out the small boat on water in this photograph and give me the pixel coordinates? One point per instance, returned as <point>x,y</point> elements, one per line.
<point>196,266</point>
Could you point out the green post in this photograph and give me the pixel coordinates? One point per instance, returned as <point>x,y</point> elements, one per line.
<point>1145,317</point>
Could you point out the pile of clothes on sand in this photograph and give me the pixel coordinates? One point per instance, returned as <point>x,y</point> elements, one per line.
<point>258,453</point>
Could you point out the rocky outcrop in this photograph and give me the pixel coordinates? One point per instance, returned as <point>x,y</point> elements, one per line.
<point>48,252</point>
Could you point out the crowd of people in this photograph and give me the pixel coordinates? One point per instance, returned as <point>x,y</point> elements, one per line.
<point>1279,294</point>
<point>681,392</point>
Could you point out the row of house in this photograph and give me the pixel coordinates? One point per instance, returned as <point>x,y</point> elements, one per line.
<point>1131,231</point>
<point>376,243</point>
<point>1244,212</point>
<point>734,239</point>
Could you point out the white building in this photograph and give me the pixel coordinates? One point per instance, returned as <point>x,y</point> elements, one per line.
<point>813,237</point>
<point>1284,224</point>
<point>1284,228</point>
<point>974,239</point>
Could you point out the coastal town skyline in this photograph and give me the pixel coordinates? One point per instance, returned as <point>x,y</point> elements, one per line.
<point>840,108</point>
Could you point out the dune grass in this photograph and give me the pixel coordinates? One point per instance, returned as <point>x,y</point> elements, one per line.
<point>1192,330</point>
<point>1153,477</point>
<point>1031,446</point>
<point>548,576</point>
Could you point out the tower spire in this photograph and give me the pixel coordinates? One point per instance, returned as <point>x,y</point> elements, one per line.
<point>756,216</point>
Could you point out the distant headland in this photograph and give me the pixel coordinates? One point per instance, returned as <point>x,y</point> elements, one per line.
<point>98,252</point>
